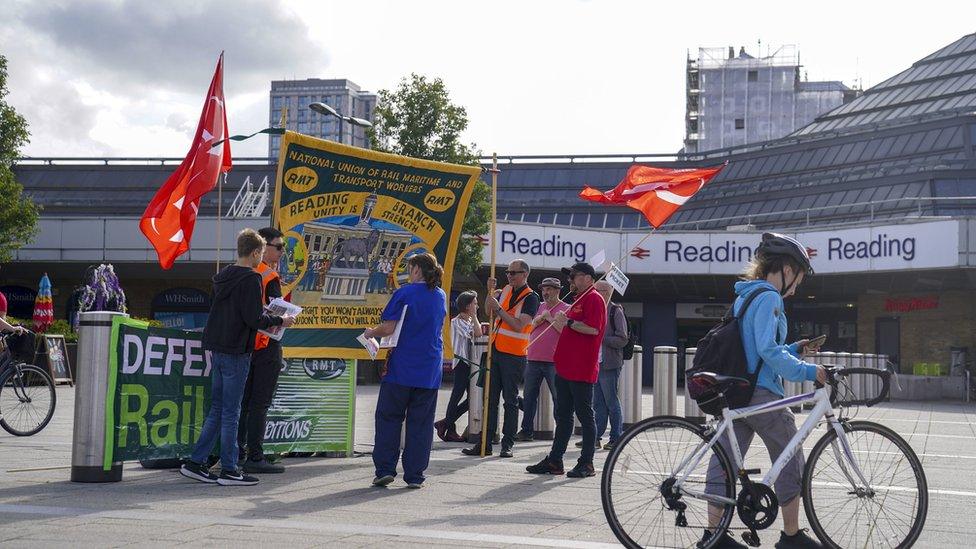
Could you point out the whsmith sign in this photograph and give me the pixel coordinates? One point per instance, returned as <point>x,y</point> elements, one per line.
<point>922,245</point>
<point>159,393</point>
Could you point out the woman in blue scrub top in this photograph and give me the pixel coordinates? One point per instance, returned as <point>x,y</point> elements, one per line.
<point>409,388</point>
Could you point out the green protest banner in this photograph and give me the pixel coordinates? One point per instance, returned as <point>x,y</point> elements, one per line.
<point>159,394</point>
<point>351,218</point>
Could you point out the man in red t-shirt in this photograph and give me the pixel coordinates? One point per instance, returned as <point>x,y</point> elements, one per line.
<point>577,369</point>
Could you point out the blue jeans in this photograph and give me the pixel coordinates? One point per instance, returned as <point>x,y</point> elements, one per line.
<point>607,405</point>
<point>228,376</point>
<point>395,403</point>
<point>535,372</point>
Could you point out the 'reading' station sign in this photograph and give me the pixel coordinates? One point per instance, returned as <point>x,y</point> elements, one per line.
<point>922,245</point>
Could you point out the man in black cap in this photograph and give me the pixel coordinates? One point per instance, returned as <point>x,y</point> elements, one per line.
<point>577,369</point>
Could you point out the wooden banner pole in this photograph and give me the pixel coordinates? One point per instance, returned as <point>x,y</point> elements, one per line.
<point>485,414</point>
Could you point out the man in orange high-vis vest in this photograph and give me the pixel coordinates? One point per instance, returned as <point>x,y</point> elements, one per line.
<point>513,310</point>
<point>262,378</point>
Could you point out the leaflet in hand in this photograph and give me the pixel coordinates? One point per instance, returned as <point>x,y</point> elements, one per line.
<point>372,347</point>
<point>279,307</point>
<point>387,342</point>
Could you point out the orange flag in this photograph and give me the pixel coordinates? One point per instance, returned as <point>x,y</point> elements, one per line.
<point>169,219</point>
<point>655,192</point>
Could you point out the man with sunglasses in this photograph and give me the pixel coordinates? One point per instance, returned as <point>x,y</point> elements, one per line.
<point>581,332</point>
<point>513,311</point>
<point>262,377</point>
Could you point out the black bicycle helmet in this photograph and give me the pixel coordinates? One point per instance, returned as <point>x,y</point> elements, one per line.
<point>780,244</point>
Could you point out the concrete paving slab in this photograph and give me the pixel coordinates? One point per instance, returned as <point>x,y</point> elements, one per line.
<point>487,502</point>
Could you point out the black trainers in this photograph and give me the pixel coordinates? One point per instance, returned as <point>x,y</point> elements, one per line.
<point>799,540</point>
<point>382,481</point>
<point>475,450</point>
<point>525,436</point>
<point>726,542</point>
<point>262,466</point>
<point>235,478</point>
<point>506,452</point>
<point>597,445</point>
<point>545,467</point>
<point>194,470</point>
<point>582,470</point>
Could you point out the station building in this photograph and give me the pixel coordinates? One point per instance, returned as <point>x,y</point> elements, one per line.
<point>882,189</point>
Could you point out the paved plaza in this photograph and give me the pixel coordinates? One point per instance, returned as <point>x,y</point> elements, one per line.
<point>466,501</point>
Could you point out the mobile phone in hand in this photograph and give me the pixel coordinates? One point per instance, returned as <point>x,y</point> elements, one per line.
<point>816,342</point>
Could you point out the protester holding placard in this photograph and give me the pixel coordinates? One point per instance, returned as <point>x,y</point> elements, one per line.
<point>236,315</point>
<point>409,388</point>
<point>580,336</point>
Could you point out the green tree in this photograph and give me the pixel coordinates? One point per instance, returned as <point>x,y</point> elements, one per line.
<point>18,215</point>
<point>418,119</point>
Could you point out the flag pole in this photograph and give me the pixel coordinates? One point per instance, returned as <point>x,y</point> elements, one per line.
<point>491,314</point>
<point>220,203</point>
<point>580,295</point>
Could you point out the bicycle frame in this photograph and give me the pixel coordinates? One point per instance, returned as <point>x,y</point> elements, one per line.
<point>822,409</point>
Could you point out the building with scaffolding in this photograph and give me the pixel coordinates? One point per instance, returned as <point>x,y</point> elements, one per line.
<point>734,100</point>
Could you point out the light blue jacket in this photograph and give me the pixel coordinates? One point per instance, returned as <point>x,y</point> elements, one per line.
<point>763,332</point>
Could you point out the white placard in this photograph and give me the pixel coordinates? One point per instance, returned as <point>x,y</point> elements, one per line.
<point>617,279</point>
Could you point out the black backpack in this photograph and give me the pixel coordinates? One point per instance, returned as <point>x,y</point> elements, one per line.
<point>721,352</point>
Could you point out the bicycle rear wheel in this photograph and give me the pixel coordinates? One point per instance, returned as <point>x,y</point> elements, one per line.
<point>843,515</point>
<point>638,472</point>
<point>27,399</point>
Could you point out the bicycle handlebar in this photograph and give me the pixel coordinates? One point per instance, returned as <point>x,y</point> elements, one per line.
<point>835,373</point>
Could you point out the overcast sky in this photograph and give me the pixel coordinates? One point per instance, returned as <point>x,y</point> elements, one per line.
<point>117,77</point>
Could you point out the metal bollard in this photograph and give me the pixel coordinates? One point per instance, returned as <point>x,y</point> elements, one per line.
<point>858,381</point>
<point>692,411</point>
<point>631,402</point>
<point>91,389</point>
<point>544,424</point>
<point>475,393</point>
<point>665,381</point>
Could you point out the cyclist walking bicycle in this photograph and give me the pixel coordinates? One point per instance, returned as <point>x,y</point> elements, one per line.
<point>671,482</point>
<point>776,270</point>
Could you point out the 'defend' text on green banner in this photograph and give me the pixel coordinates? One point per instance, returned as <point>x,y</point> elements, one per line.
<point>159,394</point>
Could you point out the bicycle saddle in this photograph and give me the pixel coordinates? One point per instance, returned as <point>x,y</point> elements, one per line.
<point>717,381</point>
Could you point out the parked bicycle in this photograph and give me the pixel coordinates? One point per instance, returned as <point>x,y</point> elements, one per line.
<point>27,395</point>
<point>863,485</point>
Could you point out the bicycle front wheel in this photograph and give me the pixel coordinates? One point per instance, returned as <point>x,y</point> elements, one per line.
<point>642,468</point>
<point>27,399</point>
<point>889,512</point>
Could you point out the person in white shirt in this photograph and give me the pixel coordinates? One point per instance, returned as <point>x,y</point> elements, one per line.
<point>464,329</point>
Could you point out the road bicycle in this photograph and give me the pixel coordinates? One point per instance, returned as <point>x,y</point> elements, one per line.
<point>27,395</point>
<point>863,485</point>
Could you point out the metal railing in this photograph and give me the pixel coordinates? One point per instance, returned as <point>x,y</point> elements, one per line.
<point>809,213</point>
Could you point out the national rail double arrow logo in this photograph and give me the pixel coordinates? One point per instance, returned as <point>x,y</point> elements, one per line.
<point>640,253</point>
<point>481,239</point>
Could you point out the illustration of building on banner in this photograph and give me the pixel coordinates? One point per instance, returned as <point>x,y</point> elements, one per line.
<point>351,258</point>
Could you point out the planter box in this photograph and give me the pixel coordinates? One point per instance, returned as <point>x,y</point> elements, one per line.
<point>928,387</point>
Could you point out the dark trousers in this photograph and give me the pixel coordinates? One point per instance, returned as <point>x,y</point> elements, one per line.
<point>506,375</point>
<point>396,403</point>
<point>535,372</point>
<point>455,406</point>
<point>573,396</point>
<point>262,380</point>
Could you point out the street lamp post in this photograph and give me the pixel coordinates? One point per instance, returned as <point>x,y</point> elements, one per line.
<point>327,110</point>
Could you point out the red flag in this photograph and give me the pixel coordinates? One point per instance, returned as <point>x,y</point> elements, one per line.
<point>655,192</point>
<point>168,220</point>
